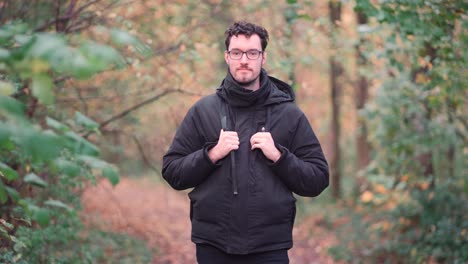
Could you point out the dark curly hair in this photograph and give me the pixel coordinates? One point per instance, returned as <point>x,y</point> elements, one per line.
<point>247,29</point>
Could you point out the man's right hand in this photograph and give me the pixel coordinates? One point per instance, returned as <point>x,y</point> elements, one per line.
<point>228,141</point>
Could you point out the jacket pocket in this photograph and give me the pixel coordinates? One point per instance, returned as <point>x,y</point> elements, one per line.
<point>204,204</point>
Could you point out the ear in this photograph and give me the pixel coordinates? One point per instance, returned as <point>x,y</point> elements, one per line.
<point>226,57</point>
<point>264,57</point>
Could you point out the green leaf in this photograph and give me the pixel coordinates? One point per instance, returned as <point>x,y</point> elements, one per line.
<point>70,61</point>
<point>42,216</point>
<point>79,145</point>
<point>3,194</point>
<point>14,195</point>
<point>111,174</point>
<point>5,134</point>
<point>5,35</point>
<point>45,45</point>
<point>11,107</point>
<point>18,244</point>
<point>42,88</point>
<point>67,167</point>
<point>57,203</point>
<point>40,146</point>
<point>7,172</point>
<point>35,180</point>
<point>124,38</point>
<point>56,125</point>
<point>86,122</point>
<point>101,57</point>
<point>22,39</point>
<point>4,54</point>
<point>93,162</point>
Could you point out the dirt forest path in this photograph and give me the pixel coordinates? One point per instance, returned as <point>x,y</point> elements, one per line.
<point>159,216</point>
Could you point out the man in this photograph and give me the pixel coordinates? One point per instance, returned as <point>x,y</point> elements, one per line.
<point>244,151</point>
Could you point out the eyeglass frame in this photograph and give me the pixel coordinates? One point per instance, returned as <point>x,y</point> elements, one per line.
<point>260,52</point>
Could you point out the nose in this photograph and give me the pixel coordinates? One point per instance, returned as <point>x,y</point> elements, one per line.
<point>244,58</point>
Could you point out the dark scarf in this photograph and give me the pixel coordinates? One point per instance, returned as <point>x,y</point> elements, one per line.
<point>238,96</point>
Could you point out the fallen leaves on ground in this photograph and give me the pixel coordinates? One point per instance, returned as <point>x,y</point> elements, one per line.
<point>159,216</point>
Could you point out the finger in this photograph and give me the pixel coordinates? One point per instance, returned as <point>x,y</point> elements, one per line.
<point>256,145</point>
<point>255,137</point>
<point>231,134</point>
<point>252,141</point>
<point>233,142</point>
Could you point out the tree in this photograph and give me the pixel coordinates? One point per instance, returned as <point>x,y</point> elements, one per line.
<point>416,199</point>
<point>361,94</point>
<point>336,71</point>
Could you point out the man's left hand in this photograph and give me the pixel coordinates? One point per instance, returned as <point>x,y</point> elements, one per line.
<point>264,141</point>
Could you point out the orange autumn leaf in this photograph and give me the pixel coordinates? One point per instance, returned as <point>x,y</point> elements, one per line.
<point>367,196</point>
<point>379,188</point>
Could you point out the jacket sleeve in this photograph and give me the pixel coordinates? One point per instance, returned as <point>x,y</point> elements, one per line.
<point>303,168</point>
<point>186,164</point>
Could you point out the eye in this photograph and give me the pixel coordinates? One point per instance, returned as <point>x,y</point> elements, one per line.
<point>253,53</point>
<point>236,52</point>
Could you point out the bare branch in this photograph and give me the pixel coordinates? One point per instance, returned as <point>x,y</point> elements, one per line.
<point>143,155</point>
<point>63,20</point>
<point>165,50</point>
<point>107,98</point>
<point>83,103</point>
<point>145,102</point>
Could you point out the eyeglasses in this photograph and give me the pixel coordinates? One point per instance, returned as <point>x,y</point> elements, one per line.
<point>252,54</point>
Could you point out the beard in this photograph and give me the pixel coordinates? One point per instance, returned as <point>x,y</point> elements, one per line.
<point>245,83</point>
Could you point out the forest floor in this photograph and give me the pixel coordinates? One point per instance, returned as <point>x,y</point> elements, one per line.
<point>159,216</point>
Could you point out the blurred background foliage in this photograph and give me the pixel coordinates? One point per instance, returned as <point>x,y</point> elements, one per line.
<point>95,89</point>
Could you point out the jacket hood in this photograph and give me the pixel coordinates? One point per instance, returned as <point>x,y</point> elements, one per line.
<point>271,91</point>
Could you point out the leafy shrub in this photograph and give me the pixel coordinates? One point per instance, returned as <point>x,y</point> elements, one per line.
<point>47,158</point>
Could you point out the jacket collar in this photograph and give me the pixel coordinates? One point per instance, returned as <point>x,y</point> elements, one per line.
<point>271,91</point>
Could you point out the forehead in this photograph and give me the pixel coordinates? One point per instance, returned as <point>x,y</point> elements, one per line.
<point>244,42</point>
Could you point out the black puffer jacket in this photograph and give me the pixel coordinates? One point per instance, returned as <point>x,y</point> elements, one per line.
<point>261,215</point>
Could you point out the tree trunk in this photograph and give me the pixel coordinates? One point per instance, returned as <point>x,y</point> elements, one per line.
<point>362,93</point>
<point>361,96</point>
<point>420,122</point>
<point>336,70</point>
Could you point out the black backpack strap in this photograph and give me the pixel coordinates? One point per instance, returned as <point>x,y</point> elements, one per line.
<point>224,121</point>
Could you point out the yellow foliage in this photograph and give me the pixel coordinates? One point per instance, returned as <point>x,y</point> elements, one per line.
<point>421,78</point>
<point>6,88</point>
<point>38,66</point>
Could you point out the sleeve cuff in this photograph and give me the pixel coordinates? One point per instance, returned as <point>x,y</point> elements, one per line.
<point>283,151</point>
<point>206,148</point>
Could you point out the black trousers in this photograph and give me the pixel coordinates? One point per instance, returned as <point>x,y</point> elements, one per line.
<point>207,254</point>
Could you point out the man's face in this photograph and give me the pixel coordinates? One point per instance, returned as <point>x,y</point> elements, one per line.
<point>244,70</point>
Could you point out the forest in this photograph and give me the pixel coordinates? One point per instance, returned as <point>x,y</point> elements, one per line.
<point>93,91</point>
